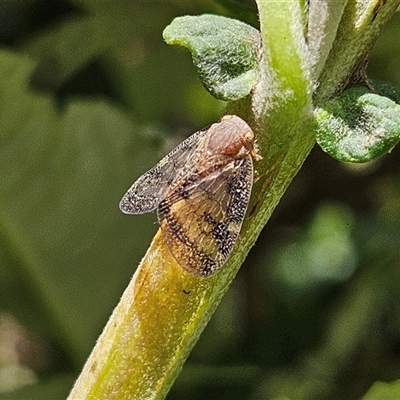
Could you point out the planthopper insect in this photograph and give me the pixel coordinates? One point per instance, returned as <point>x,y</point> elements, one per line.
<point>201,191</point>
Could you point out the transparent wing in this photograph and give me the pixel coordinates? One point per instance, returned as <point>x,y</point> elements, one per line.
<point>148,191</point>
<point>201,219</point>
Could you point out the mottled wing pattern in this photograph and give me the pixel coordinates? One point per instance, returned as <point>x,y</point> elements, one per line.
<point>202,216</point>
<point>147,192</point>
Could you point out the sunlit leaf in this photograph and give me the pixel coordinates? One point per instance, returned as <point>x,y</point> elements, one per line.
<point>225,52</point>
<point>358,126</point>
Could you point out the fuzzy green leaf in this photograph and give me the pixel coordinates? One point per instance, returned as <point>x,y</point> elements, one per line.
<point>224,51</point>
<point>358,126</point>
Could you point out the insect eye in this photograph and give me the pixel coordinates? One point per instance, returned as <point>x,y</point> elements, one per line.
<point>249,136</point>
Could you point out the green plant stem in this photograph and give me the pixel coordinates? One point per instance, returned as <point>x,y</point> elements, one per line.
<point>358,30</point>
<point>164,309</point>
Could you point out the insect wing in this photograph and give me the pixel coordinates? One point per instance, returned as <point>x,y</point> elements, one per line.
<point>148,191</point>
<point>202,224</point>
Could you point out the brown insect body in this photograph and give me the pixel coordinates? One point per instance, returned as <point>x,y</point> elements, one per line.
<point>201,191</point>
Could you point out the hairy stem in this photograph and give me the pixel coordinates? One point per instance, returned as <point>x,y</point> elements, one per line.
<point>164,309</point>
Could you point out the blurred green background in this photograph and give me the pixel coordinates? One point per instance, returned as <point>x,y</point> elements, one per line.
<point>90,98</point>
